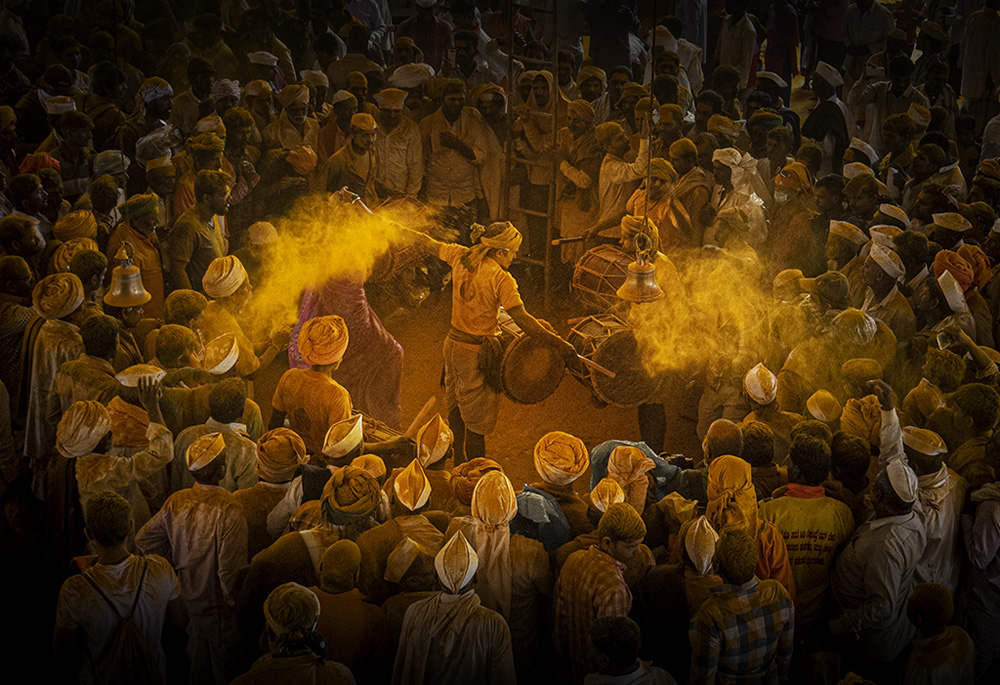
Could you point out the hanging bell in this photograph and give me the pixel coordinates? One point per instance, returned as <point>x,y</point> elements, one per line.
<point>640,282</point>
<point>126,282</point>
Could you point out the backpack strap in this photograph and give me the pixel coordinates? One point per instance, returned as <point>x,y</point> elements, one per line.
<point>111,604</point>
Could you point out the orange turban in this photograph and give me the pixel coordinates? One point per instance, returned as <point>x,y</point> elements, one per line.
<point>732,499</point>
<point>78,224</point>
<point>560,458</point>
<point>628,467</point>
<point>323,340</point>
<point>129,424</point>
<point>466,475</point>
<point>279,453</point>
<point>953,262</point>
<point>980,263</point>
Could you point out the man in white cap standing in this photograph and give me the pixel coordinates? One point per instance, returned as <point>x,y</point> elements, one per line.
<point>449,638</point>
<point>942,491</point>
<point>398,147</point>
<point>882,272</point>
<point>203,531</point>
<point>874,576</point>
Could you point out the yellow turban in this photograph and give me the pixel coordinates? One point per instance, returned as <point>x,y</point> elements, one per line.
<point>279,453</point>
<point>606,493</point>
<point>82,428</point>
<point>980,263</point>
<point>293,93</point>
<point>71,248</point>
<point>364,121</point>
<point>291,609</point>
<point>509,238</point>
<point>129,424</point>
<point>351,494</point>
<point>433,440</point>
<point>732,500</point>
<point>456,563</point>
<point>863,418</point>
<point>57,296</point>
<point>621,522</point>
<point>628,467</point>
<point>224,276</point>
<point>206,142</point>
<point>661,168</point>
<point>371,463</point>
<point>683,147</point>
<point>581,109</point>
<point>560,458</point>
<point>155,88</point>
<point>356,79</point>
<point>725,126</point>
<point>466,475</point>
<point>212,124</point>
<point>824,406</point>
<point>494,504</point>
<point>204,451</point>
<point>411,486</point>
<point>78,224</point>
<point>323,340</point>
<point>632,90</point>
<point>257,88</point>
<point>795,176</point>
<point>590,71</point>
<point>7,117</point>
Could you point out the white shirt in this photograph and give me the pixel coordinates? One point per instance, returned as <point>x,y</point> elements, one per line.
<point>80,606</point>
<point>400,153</point>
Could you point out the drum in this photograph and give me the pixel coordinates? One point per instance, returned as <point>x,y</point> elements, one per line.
<point>532,368</point>
<point>608,341</point>
<point>374,430</point>
<point>597,276</point>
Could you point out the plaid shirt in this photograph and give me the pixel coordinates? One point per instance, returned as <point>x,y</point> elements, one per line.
<point>743,630</point>
<point>590,585</point>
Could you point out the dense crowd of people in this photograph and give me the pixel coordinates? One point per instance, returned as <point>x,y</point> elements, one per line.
<point>842,522</point>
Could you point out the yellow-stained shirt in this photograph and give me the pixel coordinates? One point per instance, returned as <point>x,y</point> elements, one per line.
<point>814,529</point>
<point>478,295</point>
<point>312,402</point>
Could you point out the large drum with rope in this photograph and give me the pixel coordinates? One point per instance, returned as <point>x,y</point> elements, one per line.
<point>532,368</point>
<point>609,343</point>
<point>597,276</point>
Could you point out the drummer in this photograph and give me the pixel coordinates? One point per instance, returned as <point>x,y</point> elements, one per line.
<point>481,285</point>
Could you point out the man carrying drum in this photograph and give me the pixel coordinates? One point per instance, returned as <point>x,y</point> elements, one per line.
<point>481,285</point>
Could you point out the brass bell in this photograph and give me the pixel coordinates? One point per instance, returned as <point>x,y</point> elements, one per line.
<point>640,282</point>
<point>126,282</point>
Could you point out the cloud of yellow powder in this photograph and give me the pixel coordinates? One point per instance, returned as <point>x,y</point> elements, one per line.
<point>716,315</point>
<point>324,238</point>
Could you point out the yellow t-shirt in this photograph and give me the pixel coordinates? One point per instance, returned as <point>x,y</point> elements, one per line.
<point>312,402</point>
<point>477,296</point>
<point>814,530</point>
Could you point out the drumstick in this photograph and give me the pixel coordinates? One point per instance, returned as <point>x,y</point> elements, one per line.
<point>597,367</point>
<point>421,417</point>
<point>562,241</point>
